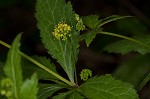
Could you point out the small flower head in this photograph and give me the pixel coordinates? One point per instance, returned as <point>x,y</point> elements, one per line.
<point>79,26</point>
<point>61,31</point>
<point>6,86</point>
<point>85,74</point>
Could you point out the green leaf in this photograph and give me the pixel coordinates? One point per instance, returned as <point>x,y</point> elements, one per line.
<point>107,87</point>
<point>12,67</point>
<point>145,80</point>
<point>29,68</point>
<point>125,46</point>
<point>62,95</point>
<point>89,36</point>
<point>49,14</point>
<point>133,70</point>
<point>29,88</point>
<point>76,95</point>
<point>46,90</point>
<point>91,21</point>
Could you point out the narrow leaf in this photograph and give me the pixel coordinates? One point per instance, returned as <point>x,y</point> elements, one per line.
<point>107,87</point>
<point>46,90</point>
<point>29,88</point>
<point>12,67</point>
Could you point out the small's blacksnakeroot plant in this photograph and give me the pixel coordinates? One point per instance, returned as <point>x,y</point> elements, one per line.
<point>60,32</point>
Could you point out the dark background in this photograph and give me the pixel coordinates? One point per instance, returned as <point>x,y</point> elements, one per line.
<point>18,16</point>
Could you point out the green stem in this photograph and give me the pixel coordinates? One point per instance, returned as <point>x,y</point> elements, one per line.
<point>124,37</point>
<point>40,65</point>
<point>143,83</point>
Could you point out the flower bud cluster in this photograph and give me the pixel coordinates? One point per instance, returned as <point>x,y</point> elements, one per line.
<point>5,90</point>
<point>85,74</point>
<point>61,31</point>
<point>79,26</point>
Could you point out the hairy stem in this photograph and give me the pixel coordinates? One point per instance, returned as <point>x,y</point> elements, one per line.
<point>40,65</point>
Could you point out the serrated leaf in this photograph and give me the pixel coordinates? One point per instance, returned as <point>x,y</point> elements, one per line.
<point>50,13</point>
<point>134,70</point>
<point>29,68</point>
<point>107,87</point>
<point>89,36</point>
<point>46,90</point>
<point>76,95</point>
<point>62,95</point>
<point>12,67</point>
<point>29,88</point>
<point>125,46</point>
<point>91,21</point>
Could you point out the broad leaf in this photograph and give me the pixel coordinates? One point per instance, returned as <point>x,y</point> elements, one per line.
<point>12,67</point>
<point>91,21</point>
<point>29,68</point>
<point>49,14</point>
<point>133,70</point>
<point>125,46</point>
<point>107,87</point>
<point>29,88</point>
<point>46,90</point>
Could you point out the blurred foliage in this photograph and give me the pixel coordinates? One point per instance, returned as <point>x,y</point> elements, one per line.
<point>134,70</point>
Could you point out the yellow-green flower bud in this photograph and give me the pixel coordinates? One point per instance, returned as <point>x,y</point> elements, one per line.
<point>3,92</point>
<point>61,31</point>
<point>6,85</point>
<point>79,26</point>
<point>85,74</point>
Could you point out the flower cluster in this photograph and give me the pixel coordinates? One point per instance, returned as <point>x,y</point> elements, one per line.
<point>61,31</point>
<point>5,90</point>
<point>79,26</point>
<point>85,73</point>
